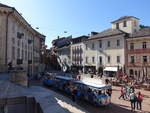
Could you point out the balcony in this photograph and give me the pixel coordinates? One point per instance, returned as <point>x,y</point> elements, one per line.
<point>19,61</point>
<point>29,61</point>
<point>30,41</point>
<point>20,35</point>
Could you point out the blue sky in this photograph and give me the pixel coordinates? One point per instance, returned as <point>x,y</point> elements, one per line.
<point>78,17</point>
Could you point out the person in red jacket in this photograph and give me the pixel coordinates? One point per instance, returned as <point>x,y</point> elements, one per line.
<point>139,100</point>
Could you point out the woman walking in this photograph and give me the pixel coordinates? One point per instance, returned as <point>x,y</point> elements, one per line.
<point>139,100</point>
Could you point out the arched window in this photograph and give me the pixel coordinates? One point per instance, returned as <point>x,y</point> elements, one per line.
<point>131,72</point>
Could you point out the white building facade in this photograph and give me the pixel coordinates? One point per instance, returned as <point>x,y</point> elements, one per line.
<point>20,44</point>
<point>106,51</point>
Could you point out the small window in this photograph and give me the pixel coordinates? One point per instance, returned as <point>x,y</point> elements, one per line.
<point>26,55</point>
<point>108,59</point>
<point>131,46</point>
<point>117,25</point>
<point>92,45</point>
<point>100,60</point>
<point>93,59</point>
<point>135,23</point>
<point>18,53</point>
<point>108,44</point>
<point>144,59</point>
<point>118,42</point>
<point>144,44</point>
<point>13,40</point>
<point>18,43</point>
<point>13,52</point>
<point>125,24</point>
<point>118,59</point>
<point>86,46</point>
<point>86,59</point>
<point>134,30</point>
<point>100,44</point>
<point>132,59</point>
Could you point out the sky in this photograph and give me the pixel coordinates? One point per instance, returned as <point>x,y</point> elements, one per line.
<point>77,17</point>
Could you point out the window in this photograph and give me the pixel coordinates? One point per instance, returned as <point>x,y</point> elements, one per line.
<point>92,45</point>
<point>13,52</point>
<point>13,40</point>
<point>18,53</point>
<point>22,54</point>
<point>108,59</point>
<point>86,59</point>
<point>22,45</point>
<point>100,60</point>
<point>132,59</point>
<point>135,23</point>
<point>144,59</point>
<point>131,46</point>
<point>125,24</point>
<point>117,25</point>
<point>118,59</point>
<point>18,43</point>
<point>134,30</point>
<point>108,44</point>
<point>93,59</point>
<point>86,46</point>
<point>100,44</point>
<point>131,72</point>
<point>144,44</point>
<point>118,42</point>
<point>26,55</point>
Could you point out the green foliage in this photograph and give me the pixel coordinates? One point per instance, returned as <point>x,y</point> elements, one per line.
<point>143,26</point>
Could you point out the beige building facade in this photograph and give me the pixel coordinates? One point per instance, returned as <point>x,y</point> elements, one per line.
<point>106,51</point>
<point>138,50</point>
<point>20,44</point>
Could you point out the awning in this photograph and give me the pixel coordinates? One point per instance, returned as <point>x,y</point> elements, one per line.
<point>110,68</point>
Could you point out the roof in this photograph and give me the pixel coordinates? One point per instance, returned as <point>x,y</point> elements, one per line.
<point>93,83</point>
<point>124,17</point>
<point>111,69</point>
<point>64,78</point>
<point>3,5</point>
<point>106,33</point>
<point>141,33</point>
<point>79,39</point>
<point>13,9</point>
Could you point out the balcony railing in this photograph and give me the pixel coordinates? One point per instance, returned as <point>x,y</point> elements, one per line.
<point>29,61</point>
<point>19,61</point>
<point>20,35</point>
<point>29,41</point>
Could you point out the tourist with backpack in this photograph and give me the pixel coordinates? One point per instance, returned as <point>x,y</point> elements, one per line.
<point>139,100</point>
<point>133,100</point>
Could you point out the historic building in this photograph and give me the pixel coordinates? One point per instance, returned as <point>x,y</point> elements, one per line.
<point>77,53</point>
<point>106,51</point>
<point>20,44</point>
<point>138,50</point>
<point>62,50</point>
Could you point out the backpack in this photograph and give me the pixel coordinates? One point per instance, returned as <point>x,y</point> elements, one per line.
<point>139,97</point>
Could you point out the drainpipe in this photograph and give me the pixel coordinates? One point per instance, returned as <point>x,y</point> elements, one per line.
<point>7,16</point>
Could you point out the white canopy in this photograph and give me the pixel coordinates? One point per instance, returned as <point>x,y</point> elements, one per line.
<point>111,69</point>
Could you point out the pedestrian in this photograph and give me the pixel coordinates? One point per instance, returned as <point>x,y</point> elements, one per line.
<point>125,92</point>
<point>139,100</point>
<point>122,93</point>
<point>133,99</point>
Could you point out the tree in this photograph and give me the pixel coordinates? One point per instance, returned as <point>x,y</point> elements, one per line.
<point>143,26</point>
